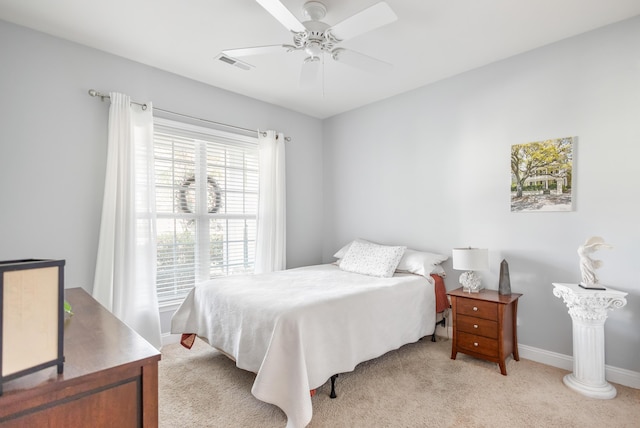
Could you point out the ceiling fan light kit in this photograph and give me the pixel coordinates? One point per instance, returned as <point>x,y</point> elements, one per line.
<point>315,37</point>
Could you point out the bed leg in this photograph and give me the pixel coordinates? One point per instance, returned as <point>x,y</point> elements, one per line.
<point>333,386</point>
<point>441,323</point>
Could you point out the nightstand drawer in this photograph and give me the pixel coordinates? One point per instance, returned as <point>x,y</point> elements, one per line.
<point>479,326</point>
<point>477,308</point>
<point>480,344</point>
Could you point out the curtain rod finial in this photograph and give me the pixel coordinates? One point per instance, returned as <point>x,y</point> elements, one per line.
<point>94,93</point>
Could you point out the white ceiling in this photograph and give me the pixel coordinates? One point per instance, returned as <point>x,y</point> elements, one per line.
<point>431,40</point>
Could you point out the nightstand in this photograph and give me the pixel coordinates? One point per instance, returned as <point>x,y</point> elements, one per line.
<point>484,325</point>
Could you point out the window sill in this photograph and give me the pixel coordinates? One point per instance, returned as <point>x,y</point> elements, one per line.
<point>170,305</point>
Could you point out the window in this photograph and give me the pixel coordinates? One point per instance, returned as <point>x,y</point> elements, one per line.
<point>206,201</point>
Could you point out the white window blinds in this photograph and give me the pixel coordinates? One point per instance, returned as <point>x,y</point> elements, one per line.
<point>206,198</point>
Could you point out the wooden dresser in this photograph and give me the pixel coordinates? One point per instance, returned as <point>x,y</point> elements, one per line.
<point>484,325</point>
<point>110,377</point>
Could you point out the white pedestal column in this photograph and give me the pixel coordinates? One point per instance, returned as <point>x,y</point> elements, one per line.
<point>588,310</point>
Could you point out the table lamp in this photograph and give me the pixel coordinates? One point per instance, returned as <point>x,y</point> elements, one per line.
<point>470,260</point>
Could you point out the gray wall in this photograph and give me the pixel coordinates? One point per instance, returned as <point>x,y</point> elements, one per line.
<point>430,169</point>
<point>53,147</point>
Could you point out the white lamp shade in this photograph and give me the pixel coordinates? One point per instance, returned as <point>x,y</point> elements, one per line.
<point>470,258</point>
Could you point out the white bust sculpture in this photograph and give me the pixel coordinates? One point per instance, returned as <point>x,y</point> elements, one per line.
<point>588,266</point>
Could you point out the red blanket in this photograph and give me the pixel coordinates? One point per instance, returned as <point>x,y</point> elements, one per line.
<point>442,301</point>
<point>187,340</point>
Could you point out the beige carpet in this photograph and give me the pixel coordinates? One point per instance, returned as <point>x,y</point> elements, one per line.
<point>415,386</point>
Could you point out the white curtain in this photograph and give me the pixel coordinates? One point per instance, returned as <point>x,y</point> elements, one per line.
<point>125,281</point>
<point>271,234</point>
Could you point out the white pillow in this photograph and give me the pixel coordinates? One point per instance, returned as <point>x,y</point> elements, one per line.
<point>342,251</point>
<point>439,270</point>
<point>371,259</point>
<point>421,262</point>
<point>416,262</point>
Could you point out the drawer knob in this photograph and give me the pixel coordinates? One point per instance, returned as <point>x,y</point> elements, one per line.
<point>475,343</point>
<point>475,326</point>
<point>475,308</point>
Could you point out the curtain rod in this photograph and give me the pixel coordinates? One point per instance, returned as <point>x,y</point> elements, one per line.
<point>102,96</point>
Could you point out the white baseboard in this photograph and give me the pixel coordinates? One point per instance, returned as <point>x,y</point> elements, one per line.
<point>444,331</point>
<point>612,374</point>
<point>170,339</point>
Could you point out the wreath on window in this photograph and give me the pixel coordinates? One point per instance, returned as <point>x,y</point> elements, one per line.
<point>186,195</point>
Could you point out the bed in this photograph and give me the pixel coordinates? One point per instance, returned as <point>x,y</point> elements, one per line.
<point>300,327</point>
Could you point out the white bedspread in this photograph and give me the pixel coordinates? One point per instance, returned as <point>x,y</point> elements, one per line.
<point>296,328</point>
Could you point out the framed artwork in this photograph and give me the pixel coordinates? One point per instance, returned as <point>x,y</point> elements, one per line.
<point>542,175</point>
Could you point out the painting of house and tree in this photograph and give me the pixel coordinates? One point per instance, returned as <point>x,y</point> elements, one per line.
<point>541,175</point>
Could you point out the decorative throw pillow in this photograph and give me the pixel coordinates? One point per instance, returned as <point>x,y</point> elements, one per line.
<point>342,251</point>
<point>371,259</point>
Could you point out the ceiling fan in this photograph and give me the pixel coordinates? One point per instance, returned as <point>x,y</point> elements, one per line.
<point>316,38</point>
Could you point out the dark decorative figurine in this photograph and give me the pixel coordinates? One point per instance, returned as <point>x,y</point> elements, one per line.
<point>504,286</point>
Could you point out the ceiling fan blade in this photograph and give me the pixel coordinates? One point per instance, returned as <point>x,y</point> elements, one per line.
<point>310,72</point>
<point>360,60</point>
<point>283,15</point>
<point>257,50</point>
<point>369,19</point>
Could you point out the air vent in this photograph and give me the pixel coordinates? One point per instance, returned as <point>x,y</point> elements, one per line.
<point>234,62</point>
